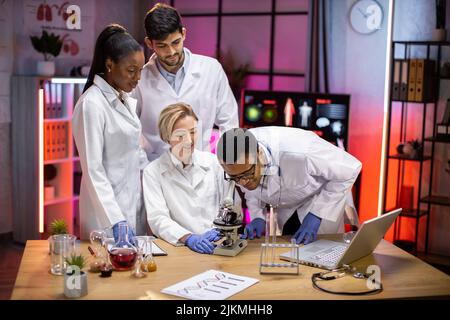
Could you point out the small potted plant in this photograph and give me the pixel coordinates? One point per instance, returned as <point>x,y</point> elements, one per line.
<point>49,45</point>
<point>75,279</point>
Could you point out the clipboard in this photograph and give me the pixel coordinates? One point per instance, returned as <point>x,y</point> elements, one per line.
<point>157,250</point>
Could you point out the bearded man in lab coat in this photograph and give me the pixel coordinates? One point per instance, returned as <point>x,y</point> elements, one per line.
<point>305,178</point>
<point>174,74</point>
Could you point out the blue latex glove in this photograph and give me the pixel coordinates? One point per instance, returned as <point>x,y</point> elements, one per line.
<point>308,230</point>
<point>199,243</point>
<point>212,235</point>
<point>116,232</point>
<point>256,226</point>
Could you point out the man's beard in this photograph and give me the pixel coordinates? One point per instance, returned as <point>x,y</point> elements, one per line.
<point>173,64</point>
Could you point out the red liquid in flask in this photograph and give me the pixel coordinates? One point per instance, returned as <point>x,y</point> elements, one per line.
<point>123,259</point>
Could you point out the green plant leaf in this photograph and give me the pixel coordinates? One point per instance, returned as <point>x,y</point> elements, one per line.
<point>77,260</point>
<point>59,226</point>
<point>47,44</point>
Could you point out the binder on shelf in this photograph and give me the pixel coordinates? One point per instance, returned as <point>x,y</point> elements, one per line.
<point>53,142</point>
<point>425,80</point>
<point>57,139</point>
<point>443,130</point>
<point>47,142</point>
<point>59,111</point>
<point>446,116</point>
<point>404,80</point>
<point>63,140</point>
<point>47,103</point>
<point>60,141</point>
<point>53,100</point>
<point>412,80</point>
<point>396,80</point>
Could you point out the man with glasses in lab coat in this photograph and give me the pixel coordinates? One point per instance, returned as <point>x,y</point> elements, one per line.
<point>306,179</point>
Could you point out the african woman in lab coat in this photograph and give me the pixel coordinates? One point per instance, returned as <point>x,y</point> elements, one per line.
<point>107,134</point>
<point>184,186</point>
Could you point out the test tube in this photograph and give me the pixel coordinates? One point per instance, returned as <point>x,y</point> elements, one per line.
<point>273,231</point>
<point>267,235</point>
<point>293,244</point>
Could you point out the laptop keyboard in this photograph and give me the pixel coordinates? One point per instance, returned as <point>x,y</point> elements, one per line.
<point>330,256</point>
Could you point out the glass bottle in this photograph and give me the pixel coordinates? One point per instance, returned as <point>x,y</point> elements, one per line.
<point>141,245</point>
<point>149,264</point>
<point>123,254</point>
<point>97,250</point>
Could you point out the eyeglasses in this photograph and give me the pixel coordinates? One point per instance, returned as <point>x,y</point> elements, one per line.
<point>247,175</point>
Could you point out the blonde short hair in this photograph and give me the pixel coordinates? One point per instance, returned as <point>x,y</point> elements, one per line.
<point>170,115</point>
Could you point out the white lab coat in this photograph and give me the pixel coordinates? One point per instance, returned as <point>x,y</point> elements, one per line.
<point>175,206</point>
<point>306,174</point>
<point>205,87</point>
<point>107,135</point>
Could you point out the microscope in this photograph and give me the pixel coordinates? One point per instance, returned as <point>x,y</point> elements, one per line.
<point>228,221</point>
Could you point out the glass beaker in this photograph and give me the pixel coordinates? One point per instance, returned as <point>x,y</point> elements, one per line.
<point>149,264</point>
<point>100,257</point>
<point>141,245</point>
<point>123,254</point>
<point>61,247</point>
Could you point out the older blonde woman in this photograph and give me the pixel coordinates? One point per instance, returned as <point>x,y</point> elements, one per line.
<point>184,186</point>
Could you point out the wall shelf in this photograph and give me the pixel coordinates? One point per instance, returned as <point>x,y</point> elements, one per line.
<point>406,158</point>
<point>402,80</point>
<point>38,142</point>
<point>412,213</point>
<point>437,200</point>
<point>55,161</point>
<point>438,139</point>
<point>57,201</point>
<point>414,102</point>
<point>53,120</point>
<point>424,43</point>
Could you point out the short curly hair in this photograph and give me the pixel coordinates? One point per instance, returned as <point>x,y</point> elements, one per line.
<point>170,115</point>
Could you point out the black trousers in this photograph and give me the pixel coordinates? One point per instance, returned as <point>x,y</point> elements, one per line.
<point>291,226</point>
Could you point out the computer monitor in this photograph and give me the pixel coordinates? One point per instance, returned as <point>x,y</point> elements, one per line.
<point>325,114</point>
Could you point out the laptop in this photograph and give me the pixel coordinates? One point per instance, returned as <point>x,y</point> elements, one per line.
<point>330,255</point>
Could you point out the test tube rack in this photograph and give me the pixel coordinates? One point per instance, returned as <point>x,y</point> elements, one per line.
<point>268,259</point>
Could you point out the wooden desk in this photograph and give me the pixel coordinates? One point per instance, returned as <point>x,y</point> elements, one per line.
<point>403,276</point>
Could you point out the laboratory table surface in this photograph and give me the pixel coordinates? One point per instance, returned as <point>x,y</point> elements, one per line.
<point>402,276</point>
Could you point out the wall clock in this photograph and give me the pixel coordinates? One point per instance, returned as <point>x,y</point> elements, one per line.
<point>366,16</point>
